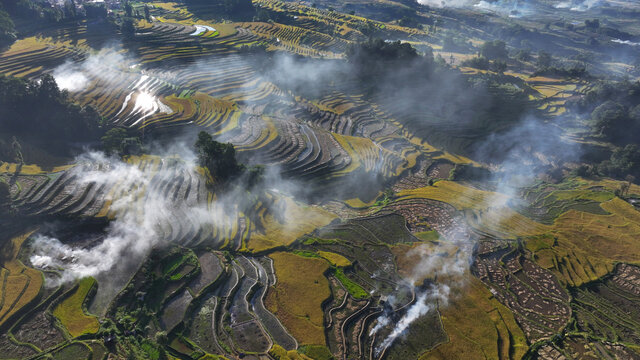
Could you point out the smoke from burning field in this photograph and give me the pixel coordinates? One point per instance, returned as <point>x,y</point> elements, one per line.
<point>141,210</point>
<point>521,154</point>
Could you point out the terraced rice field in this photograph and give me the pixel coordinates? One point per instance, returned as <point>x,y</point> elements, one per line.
<point>552,274</point>
<point>71,311</point>
<point>295,302</point>
<point>21,285</point>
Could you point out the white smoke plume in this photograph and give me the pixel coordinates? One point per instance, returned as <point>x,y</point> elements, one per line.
<point>140,211</point>
<point>526,150</point>
<point>574,5</point>
<point>75,76</point>
<point>447,3</point>
<point>504,7</point>
<point>626,42</point>
<point>425,302</point>
<point>431,264</point>
<point>512,8</point>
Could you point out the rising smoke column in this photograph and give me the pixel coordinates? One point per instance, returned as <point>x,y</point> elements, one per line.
<point>577,5</point>
<point>453,268</point>
<point>76,76</point>
<point>139,210</point>
<point>525,151</point>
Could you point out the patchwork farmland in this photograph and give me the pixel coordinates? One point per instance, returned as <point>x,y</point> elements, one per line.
<point>362,201</point>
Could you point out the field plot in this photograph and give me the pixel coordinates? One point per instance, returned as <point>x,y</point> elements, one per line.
<point>299,278</point>
<point>21,285</point>
<point>71,311</point>
<point>38,329</point>
<point>296,221</point>
<point>534,295</point>
<point>478,327</point>
<point>609,309</point>
<point>575,231</point>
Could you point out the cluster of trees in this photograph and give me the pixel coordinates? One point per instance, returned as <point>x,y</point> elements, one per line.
<point>483,63</point>
<point>120,141</point>
<point>546,66</point>
<point>624,163</point>
<point>378,49</point>
<point>375,56</point>
<point>218,158</point>
<point>616,122</point>
<point>614,109</point>
<point>95,10</point>
<point>42,10</point>
<point>493,55</point>
<point>439,97</point>
<point>7,29</point>
<point>494,50</point>
<point>38,112</point>
<point>221,162</point>
<point>232,9</point>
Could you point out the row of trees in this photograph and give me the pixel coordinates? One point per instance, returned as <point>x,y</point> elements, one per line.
<point>232,9</point>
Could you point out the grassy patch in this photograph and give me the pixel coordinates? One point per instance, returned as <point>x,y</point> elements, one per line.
<point>316,352</point>
<point>335,259</point>
<point>428,235</point>
<point>73,351</point>
<point>353,288</point>
<point>279,353</point>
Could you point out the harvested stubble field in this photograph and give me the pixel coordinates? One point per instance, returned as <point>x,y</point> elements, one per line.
<point>71,311</point>
<point>297,296</point>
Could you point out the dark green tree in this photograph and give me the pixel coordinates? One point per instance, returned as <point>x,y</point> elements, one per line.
<point>95,10</point>
<point>218,158</point>
<point>7,29</point>
<point>71,9</point>
<point>609,119</point>
<point>113,141</point>
<point>53,124</point>
<point>493,50</point>
<point>5,199</point>
<point>544,59</point>
<point>592,24</point>
<point>624,161</point>
<point>499,66</point>
<point>127,28</point>
<point>523,55</point>
<point>128,9</point>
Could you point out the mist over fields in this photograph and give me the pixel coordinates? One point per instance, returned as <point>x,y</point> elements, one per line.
<point>289,180</point>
